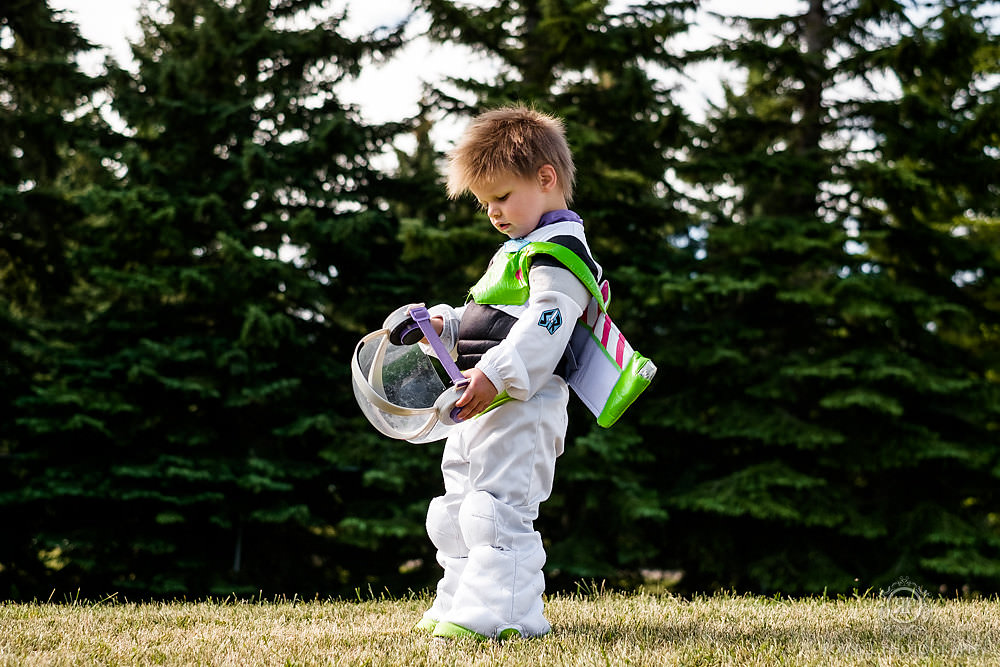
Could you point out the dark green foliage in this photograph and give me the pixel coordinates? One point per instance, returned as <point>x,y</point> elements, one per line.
<point>49,135</point>
<point>814,269</point>
<point>839,429</point>
<point>197,413</point>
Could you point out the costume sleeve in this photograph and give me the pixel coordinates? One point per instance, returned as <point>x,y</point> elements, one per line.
<point>449,335</point>
<point>527,357</point>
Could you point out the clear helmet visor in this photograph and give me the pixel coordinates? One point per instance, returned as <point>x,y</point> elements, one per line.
<point>396,387</point>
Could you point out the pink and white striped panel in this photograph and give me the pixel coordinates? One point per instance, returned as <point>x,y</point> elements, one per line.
<point>609,335</point>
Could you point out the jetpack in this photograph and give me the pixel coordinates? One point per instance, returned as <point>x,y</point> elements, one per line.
<point>607,374</point>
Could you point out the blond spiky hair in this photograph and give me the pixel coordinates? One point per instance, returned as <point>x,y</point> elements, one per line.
<point>510,140</point>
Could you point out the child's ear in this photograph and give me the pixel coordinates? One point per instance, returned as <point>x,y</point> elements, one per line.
<point>547,177</point>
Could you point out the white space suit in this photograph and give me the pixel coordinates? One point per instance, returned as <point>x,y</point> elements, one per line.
<point>498,467</point>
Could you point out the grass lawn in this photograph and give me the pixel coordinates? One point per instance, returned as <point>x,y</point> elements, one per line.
<point>603,628</point>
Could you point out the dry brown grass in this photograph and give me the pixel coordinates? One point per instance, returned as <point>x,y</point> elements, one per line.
<point>598,629</point>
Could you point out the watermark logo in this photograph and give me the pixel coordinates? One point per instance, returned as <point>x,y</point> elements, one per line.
<point>904,602</point>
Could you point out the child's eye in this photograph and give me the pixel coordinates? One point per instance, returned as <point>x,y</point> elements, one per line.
<point>485,205</point>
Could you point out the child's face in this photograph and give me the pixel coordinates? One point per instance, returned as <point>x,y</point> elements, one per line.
<point>514,204</point>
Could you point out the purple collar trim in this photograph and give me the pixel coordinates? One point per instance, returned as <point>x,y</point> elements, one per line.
<point>561,215</point>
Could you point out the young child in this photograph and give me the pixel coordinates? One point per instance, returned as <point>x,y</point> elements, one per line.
<point>499,463</point>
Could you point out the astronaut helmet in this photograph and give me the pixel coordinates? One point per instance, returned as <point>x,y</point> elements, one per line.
<point>398,387</point>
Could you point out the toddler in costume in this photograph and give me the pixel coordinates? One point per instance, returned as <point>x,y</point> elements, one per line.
<point>513,333</point>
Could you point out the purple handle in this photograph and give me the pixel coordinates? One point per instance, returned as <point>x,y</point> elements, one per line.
<point>423,320</point>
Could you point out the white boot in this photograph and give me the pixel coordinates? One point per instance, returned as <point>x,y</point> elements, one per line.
<point>502,585</point>
<point>445,533</point>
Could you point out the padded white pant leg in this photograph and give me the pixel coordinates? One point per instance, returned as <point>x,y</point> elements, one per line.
<point>502,463</point>
<point>447,585</point>
<point>443,526</point>
<point>503,583</point>
<point>445,533</point>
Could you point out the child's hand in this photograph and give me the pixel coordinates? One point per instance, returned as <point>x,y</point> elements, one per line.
<point>438,323</point>
<point>478,394</point>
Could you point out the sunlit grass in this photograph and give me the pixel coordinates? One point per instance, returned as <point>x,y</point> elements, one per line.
<point>594,628</point>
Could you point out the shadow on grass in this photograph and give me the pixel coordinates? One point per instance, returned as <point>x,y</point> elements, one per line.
<point>871,637</point>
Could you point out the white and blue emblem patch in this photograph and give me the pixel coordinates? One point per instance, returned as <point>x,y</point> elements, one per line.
<point>551,320</point>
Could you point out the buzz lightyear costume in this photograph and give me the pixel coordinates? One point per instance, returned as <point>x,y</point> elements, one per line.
<point>499,467</point>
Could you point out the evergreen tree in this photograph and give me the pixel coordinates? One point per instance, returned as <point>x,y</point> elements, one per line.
<point>49,133</point>
<point>836,433</point>
<point>179,302</point>
<point>198,433</point>
<point>924,198</point>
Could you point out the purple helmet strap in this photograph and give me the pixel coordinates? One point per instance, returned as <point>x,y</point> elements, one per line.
<point>423,320</point>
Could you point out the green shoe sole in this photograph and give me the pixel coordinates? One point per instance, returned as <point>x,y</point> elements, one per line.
<point>448,630</point>
<point>453,631</point>
<point>426,625</point>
